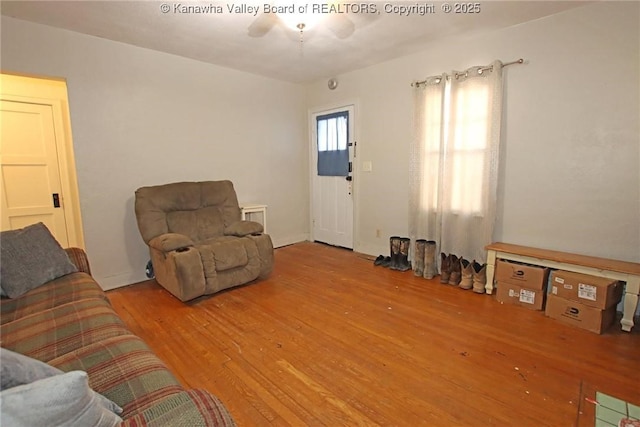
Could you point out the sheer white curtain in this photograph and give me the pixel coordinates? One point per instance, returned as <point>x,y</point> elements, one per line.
<point>454,160</point>
<point>426,155</point>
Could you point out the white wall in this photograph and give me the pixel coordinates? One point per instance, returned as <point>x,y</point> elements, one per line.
<point>571,155</point>
<point>141,117</point>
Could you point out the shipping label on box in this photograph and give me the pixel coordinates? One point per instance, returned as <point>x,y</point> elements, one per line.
<point>514,294</point>
<point>588,292</point>
<point>598,292</point>
<point>527,276</point>
<point>580,315</point>
<point>527,296</point>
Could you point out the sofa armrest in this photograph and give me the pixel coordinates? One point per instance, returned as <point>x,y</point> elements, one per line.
<point>243,228</point>
<point>79,258</point>
<point>170,242</point>
<point>187,408</point>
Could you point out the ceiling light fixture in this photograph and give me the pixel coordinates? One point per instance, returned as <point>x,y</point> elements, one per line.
<point>298,16</point>
<point>301,26</point>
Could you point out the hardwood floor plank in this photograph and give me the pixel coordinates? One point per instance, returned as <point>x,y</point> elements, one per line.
<point>398,357</point>
<point>329,339</point>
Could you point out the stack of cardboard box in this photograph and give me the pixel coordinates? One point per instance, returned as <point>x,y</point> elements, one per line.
<point>521,284</point>
<point>588,302</point>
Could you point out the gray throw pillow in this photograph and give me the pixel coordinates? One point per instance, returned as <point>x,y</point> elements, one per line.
<point>17,369</point>
<point>31,257</point>
<point>61,401</point>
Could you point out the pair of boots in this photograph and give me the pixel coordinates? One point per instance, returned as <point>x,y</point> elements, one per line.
<point>473,276</point>
<point>399,259</point>
<point>450,270</point>
<point>460,272</point>
<point>424,260</point>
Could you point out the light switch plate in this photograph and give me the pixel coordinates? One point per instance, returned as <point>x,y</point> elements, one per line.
<point>367,166</point>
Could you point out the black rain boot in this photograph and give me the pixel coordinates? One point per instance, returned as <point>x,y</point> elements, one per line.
<point>394,246</point>
<point>403,263</point>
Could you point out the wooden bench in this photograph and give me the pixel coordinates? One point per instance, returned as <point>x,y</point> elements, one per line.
<point>628,272</point>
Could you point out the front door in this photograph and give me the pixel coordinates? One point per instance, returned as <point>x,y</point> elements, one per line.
<point>332,180</point>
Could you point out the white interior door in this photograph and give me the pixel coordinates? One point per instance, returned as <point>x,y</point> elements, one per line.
<point>29,175</point>
<point>332,197</point>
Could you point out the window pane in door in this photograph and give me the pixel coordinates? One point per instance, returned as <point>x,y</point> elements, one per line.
<point>332,139</point>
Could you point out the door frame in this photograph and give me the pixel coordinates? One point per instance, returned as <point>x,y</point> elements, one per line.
<point>53,92</point>
<point>335,107</point>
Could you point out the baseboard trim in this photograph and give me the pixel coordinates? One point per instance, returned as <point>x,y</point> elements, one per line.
<point>120,280</point>
<point>290,240</point>
<point>372,250</point>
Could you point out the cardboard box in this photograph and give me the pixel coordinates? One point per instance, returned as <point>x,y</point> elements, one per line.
<point>527,276</point>
<point>514,294</point>
<point>580,315</point>
<point>598,292</point>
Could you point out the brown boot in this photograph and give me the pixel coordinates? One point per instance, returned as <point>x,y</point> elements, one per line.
<point>455,276</point>
<point>418,257</point>
<point>445,268</point>
<point>430,263</point>
<point>466,270</point>
<point>479,277</point>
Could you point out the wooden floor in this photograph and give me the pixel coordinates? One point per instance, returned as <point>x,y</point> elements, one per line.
<point>331,340</point>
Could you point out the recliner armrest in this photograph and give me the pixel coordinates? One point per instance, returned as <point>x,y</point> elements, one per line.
<point>170,242</point>
<point>243,228</point>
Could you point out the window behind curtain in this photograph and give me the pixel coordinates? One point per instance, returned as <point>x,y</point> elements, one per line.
<point>431,147</point>
<point>464,141</point>
<point>333,137</point>
<point>467,134</point>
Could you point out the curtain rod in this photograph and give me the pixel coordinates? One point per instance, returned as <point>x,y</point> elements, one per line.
<point>518,61</point>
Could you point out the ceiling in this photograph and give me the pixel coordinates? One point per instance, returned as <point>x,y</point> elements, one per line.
<point>222,38</point>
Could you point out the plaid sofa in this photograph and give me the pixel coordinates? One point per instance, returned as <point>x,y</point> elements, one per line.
<point>70,324</point>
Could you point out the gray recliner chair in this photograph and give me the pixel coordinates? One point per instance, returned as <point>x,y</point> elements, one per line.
<point>197,241</point>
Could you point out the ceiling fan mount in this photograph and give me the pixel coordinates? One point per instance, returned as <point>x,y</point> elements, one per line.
<point>339,24</point>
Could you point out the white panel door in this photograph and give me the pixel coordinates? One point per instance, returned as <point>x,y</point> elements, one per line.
<point>332,195</point>
<point>29,176</point>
